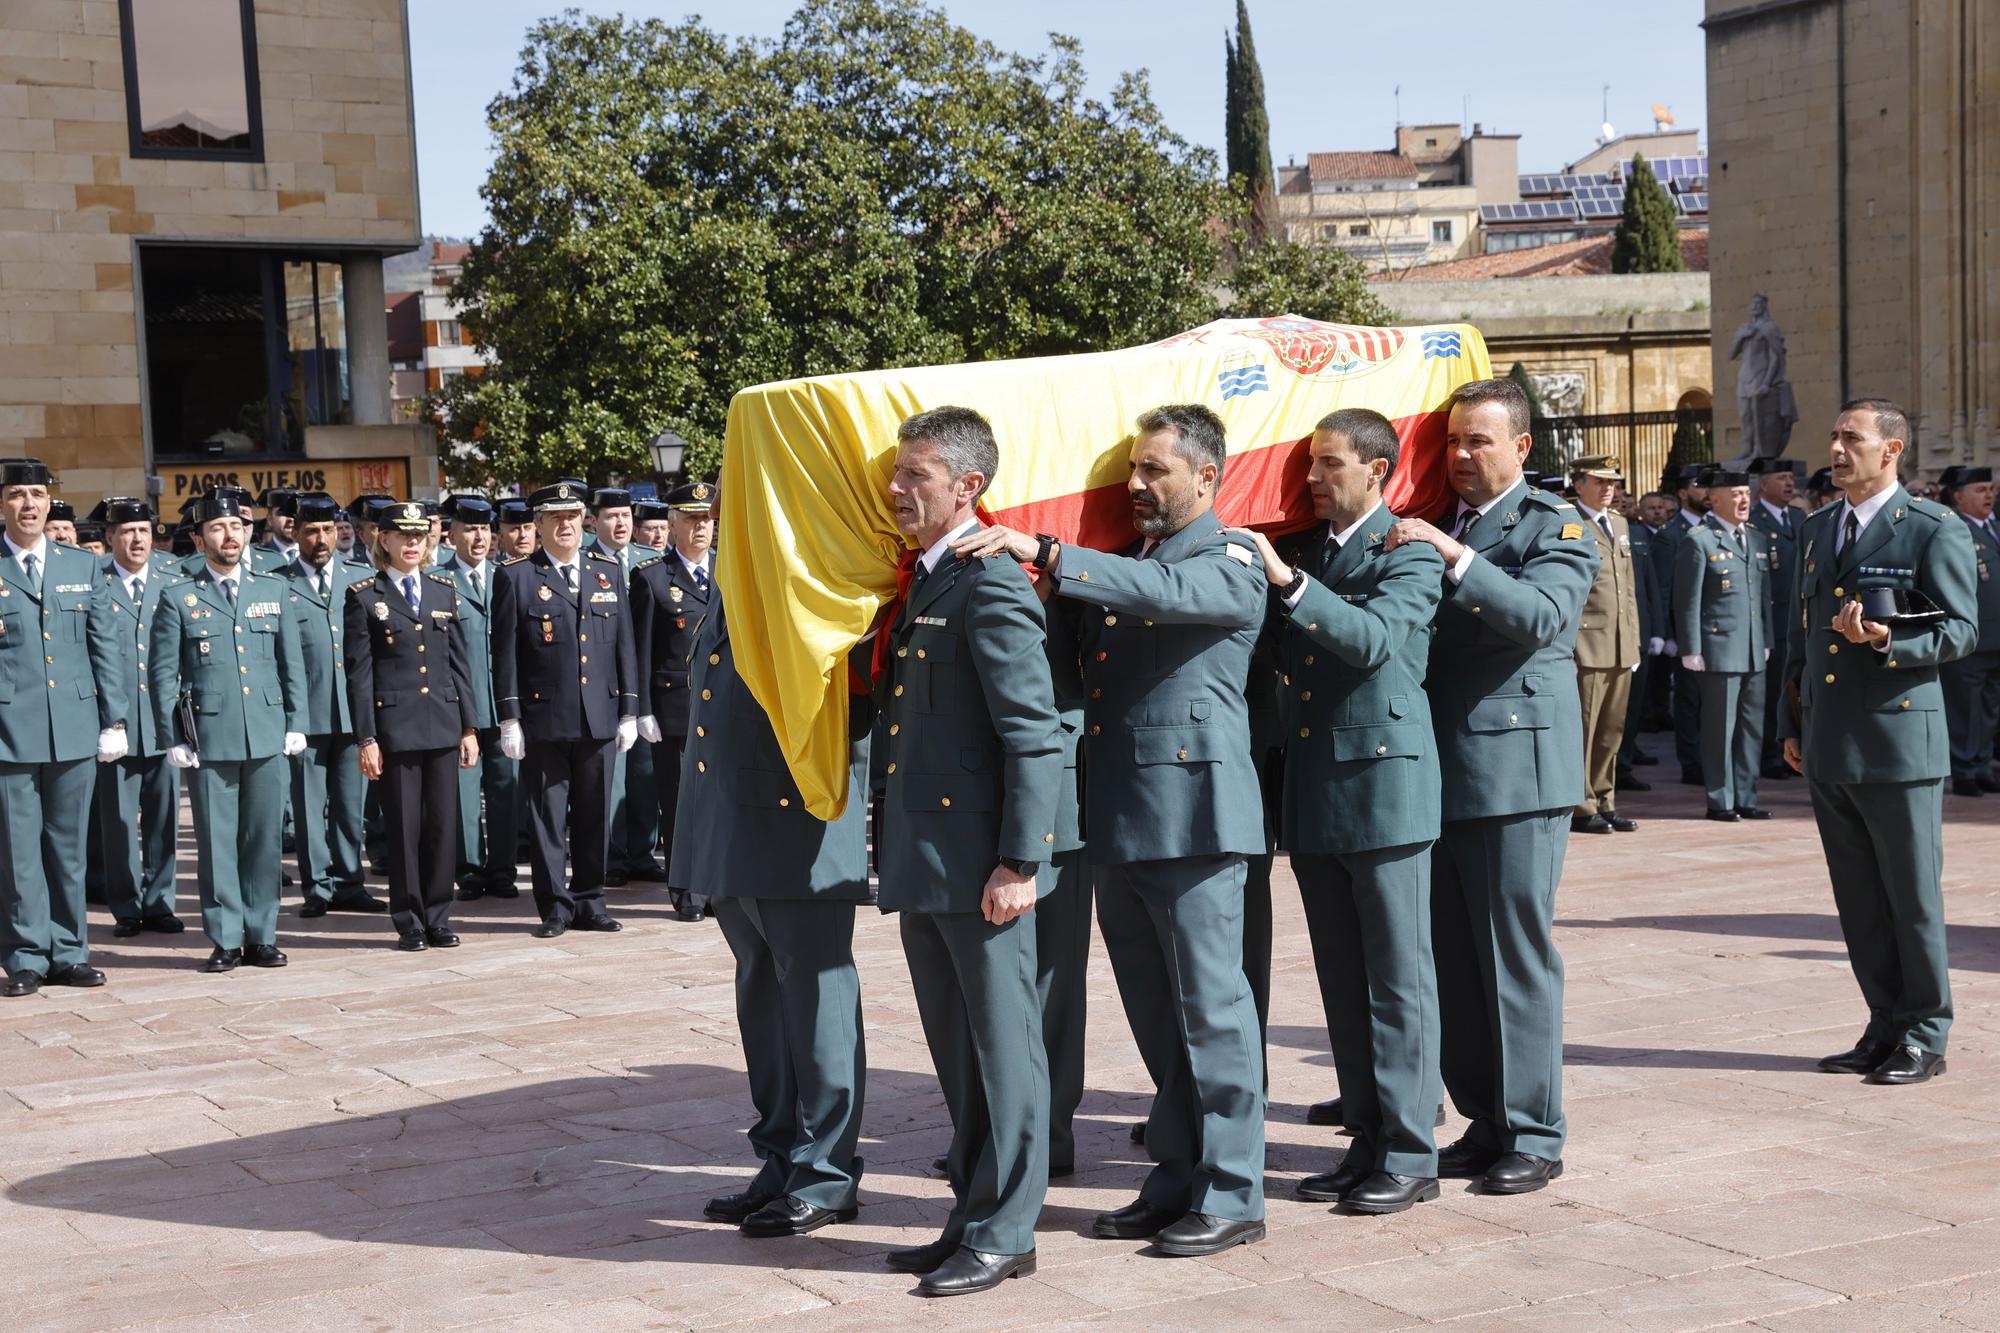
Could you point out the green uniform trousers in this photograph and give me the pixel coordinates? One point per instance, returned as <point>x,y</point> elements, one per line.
<point>1732,736</point>
<point>635,812</point>
<point>1369,916</point>
<point>1971,711</point>
<point>1884,845</point>
<point>975,988</point>
<point>798,1008</point>
<point>327,791</point>
<point>1500,979</point>
<point>1174,930</point>
<point>44,813</point>
<point>239,808</point>
<point>1062,962</point>
<point>138,808</point>
<point>1257,946</point>
<point>1687,716</point>
<point>489,863</point>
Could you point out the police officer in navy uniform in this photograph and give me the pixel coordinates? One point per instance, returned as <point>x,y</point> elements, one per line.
<point>565,684</point>
<point>486,860</point>
<point>670,595</point>
<point>411,696</point>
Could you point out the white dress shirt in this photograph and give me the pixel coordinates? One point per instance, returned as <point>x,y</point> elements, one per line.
<point>1339,541</point>
<point>1464,562</point>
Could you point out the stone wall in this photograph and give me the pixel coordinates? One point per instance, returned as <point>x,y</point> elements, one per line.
<point>339,171</point>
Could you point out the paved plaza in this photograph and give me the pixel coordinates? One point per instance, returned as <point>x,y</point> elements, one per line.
<point>522,1133</point>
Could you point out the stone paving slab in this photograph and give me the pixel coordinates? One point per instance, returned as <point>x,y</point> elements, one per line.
<point>521,1133</point>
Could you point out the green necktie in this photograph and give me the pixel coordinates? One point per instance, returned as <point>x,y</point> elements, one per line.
<point>34,566</point>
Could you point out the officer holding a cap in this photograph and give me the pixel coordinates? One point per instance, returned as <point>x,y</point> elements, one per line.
<point>1887,593</point>
<point>62,704</point>
<point>565,684</point>
<point>1722,578</point>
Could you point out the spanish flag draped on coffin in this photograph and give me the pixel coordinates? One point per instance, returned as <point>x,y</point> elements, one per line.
<point>808,545</point>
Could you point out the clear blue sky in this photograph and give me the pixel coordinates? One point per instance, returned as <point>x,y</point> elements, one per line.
<point>1533,69</point>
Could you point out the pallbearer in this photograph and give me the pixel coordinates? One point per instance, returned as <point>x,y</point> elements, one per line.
<point>411,698</point>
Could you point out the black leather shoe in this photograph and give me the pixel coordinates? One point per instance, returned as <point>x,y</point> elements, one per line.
<point>1724,816</point>
<point>1966,787</point>
<point>21,983</point>
<point>166,923</point>
<point>356,902</point>
<point>1387,1192</point>
<point>1198,1234</point>
<point>650,871</point>
<point>1626,782</point>
<point>1620,824</point>
<point>1589,824</point>
<point>503,890</point>
<point>1779,772</point>
<point>264,955</point>
<point>312,907</point>
<point>1640,759</point>
<point>940,1165</point>
<point>441,939</point>
<point>223,960</point>
<point>923,1259</point>
<point>125,930</point>
<point>1520,1173</point>
<point>551,928</point>
<point>1138,1132</point>
<point>603,924</point>
<point>968,1270</point>
<point>686,912</point>
<point>1987,782</point>
<point>1330,1187</point>
<point>469,893</point>
<point>615,879</point>
<point>1135,1221</point>
<point>81,975</point>
<point>1059,1170</point>
<point>1691,777</point>
<point>1325,1113</point>
<point>1906,1064</point>
<point>793,1217</point>
<point>412,942</point>
<point>1463,1160</point>
<point>733,1208</point>
<point>1862,1058</point>
<point>1751,812</point>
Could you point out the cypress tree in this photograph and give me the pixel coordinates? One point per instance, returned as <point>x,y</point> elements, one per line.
<point>1232,97</point>
<point>1248,136</point>
<point>1647,239</point>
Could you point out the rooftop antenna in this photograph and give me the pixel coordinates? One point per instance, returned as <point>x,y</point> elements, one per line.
<point>1605,133</point>
<point>1465,113</point>
<point>1399,106</point>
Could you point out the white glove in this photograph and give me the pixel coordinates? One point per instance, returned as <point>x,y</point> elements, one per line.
<point>295,743</point>
<point>512,743</point>
<point>1636,666</point>
<point>1655,646</point>
<point>112,745</point>
<point>628,733</point>
<point>649,728</point>
<point>182,757</point>
<point>1694,662</point>
<point>1673,649</point>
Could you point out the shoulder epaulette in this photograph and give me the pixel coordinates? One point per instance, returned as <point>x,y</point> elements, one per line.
<point>1928,508</point>
<point>647,564</point>
<point>445,579</point>
<point>597,553</point>
<point>68,546</point>
<point>512,560</point>
<point>1830,504</point>
<point>1555,503</point>
<point>176,580</point>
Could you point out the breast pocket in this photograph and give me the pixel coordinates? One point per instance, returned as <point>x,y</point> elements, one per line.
<point>936,666</point>
<point>75,617</point>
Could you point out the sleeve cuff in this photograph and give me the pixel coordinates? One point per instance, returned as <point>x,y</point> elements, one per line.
<point>1461,565</point>
<point>1292,602</point>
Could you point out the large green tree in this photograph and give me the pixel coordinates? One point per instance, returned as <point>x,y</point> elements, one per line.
<point>1247,126</point>
<point>676,215</point>
<point>1280,277</point>
<point>1648,236</point>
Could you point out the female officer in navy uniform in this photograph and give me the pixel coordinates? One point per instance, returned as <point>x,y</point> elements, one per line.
<point>415,726</point>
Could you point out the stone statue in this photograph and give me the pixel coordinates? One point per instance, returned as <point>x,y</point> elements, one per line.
<point>1763,395</point>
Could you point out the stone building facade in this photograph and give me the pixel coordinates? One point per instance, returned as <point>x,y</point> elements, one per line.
<point>195,200</point>
<point>1855,156</point>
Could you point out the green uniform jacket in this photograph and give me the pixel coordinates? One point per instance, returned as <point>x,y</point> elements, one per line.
<point>1361,767</point>
<point>974,763</point>
<point>475,620</point>
<point>1166,644</point>
<point>62,677</point>
<point>1721,598</point>
<point>242,663</point>
<point>1503,677</point>
<point>1066,676</point>
<point>1655,615</point>
<point>1864,715</point>
<point>1986,564</point>
<point>741,828</point>
<point>321,627</point>
<point>1782,564</point>
<point>132,627</point>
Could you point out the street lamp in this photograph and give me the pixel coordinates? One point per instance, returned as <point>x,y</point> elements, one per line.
<point>668,450</point>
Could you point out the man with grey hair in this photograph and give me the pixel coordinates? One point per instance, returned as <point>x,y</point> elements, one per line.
<point>1172,810</point>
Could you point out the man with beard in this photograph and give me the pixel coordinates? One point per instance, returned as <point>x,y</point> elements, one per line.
<point>249,720</point>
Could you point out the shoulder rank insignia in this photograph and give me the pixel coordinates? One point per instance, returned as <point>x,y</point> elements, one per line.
<point>647,564</point>
<point>1240,554</point>
<point>1572,531</point>
<point>445,579</point>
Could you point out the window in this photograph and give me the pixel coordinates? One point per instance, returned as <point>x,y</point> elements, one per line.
<point>1328,231</point>
<point>244,350</point>
<point>1430,143</point>
<point>448,334</point>
<point>1357,229</point>
<point>1441,231</point>
<point>191,79</point>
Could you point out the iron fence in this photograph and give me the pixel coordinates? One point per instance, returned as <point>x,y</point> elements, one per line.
<point>1644,443</point>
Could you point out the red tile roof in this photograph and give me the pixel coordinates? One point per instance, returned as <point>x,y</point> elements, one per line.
<point>1565,259</point>
<point>1359,166</point>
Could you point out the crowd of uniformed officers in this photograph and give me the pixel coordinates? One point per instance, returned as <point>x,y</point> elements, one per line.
<point>1419,711</point>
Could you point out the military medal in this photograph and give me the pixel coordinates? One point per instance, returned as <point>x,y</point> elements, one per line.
<point>674,593</point>
<point>603,579</point>
<point>682,622</point>
<point>548,630</point>
<point>380,610</point>
<point>543,592</point>
<point>189,599</point>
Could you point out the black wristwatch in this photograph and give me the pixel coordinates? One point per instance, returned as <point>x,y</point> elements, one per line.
<point>1292,589</point>
<point>1045,547</point>
<point>1020,867</point>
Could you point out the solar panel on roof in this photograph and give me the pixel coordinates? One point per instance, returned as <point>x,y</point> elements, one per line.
<point>1601,208</point>
<point>1694,202</point>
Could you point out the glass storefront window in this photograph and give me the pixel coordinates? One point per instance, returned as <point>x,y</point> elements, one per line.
<point>191,78</point>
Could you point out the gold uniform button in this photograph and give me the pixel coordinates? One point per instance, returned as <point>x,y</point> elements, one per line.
<point>700,766</point>
<point>1111,620</point>
<point>921,653</point>
<point>583,638</point>
<point>1084,577</point>
<point>904,651</point>
<point>892,768</point>
<point>239,648</point>
<point>1094,729</point>
<point>1892,662</point>
<point>1048,837</point>
<point>1381,749</point>
<point>1513,719</point>
<point>583,680</point>
<point>715,659</point>
<point>705,694</point>
<point>1833,647</point>
<point>1829,678</point>
<point>1102,655</point>
<point>1180,754</point>
<point>241,670</point>
<point>246,688</point>
<point>1097,694</point>
<point>895,728</point>
<point>51,661</point>
<point>423,671</point>
<point>420,648</point>
<point>1149,625</point>
<point>1906,703</point>
<point>784,802</point>
<point>423,689</point>
<point>1476,610</point>
<point>1309,661</point>
<point>1305,696</point>
<point>1839,592</point>
<point>1314,625</point>
<point>899,691</point>
<point>945,801</point>
<point>1304,732</point>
